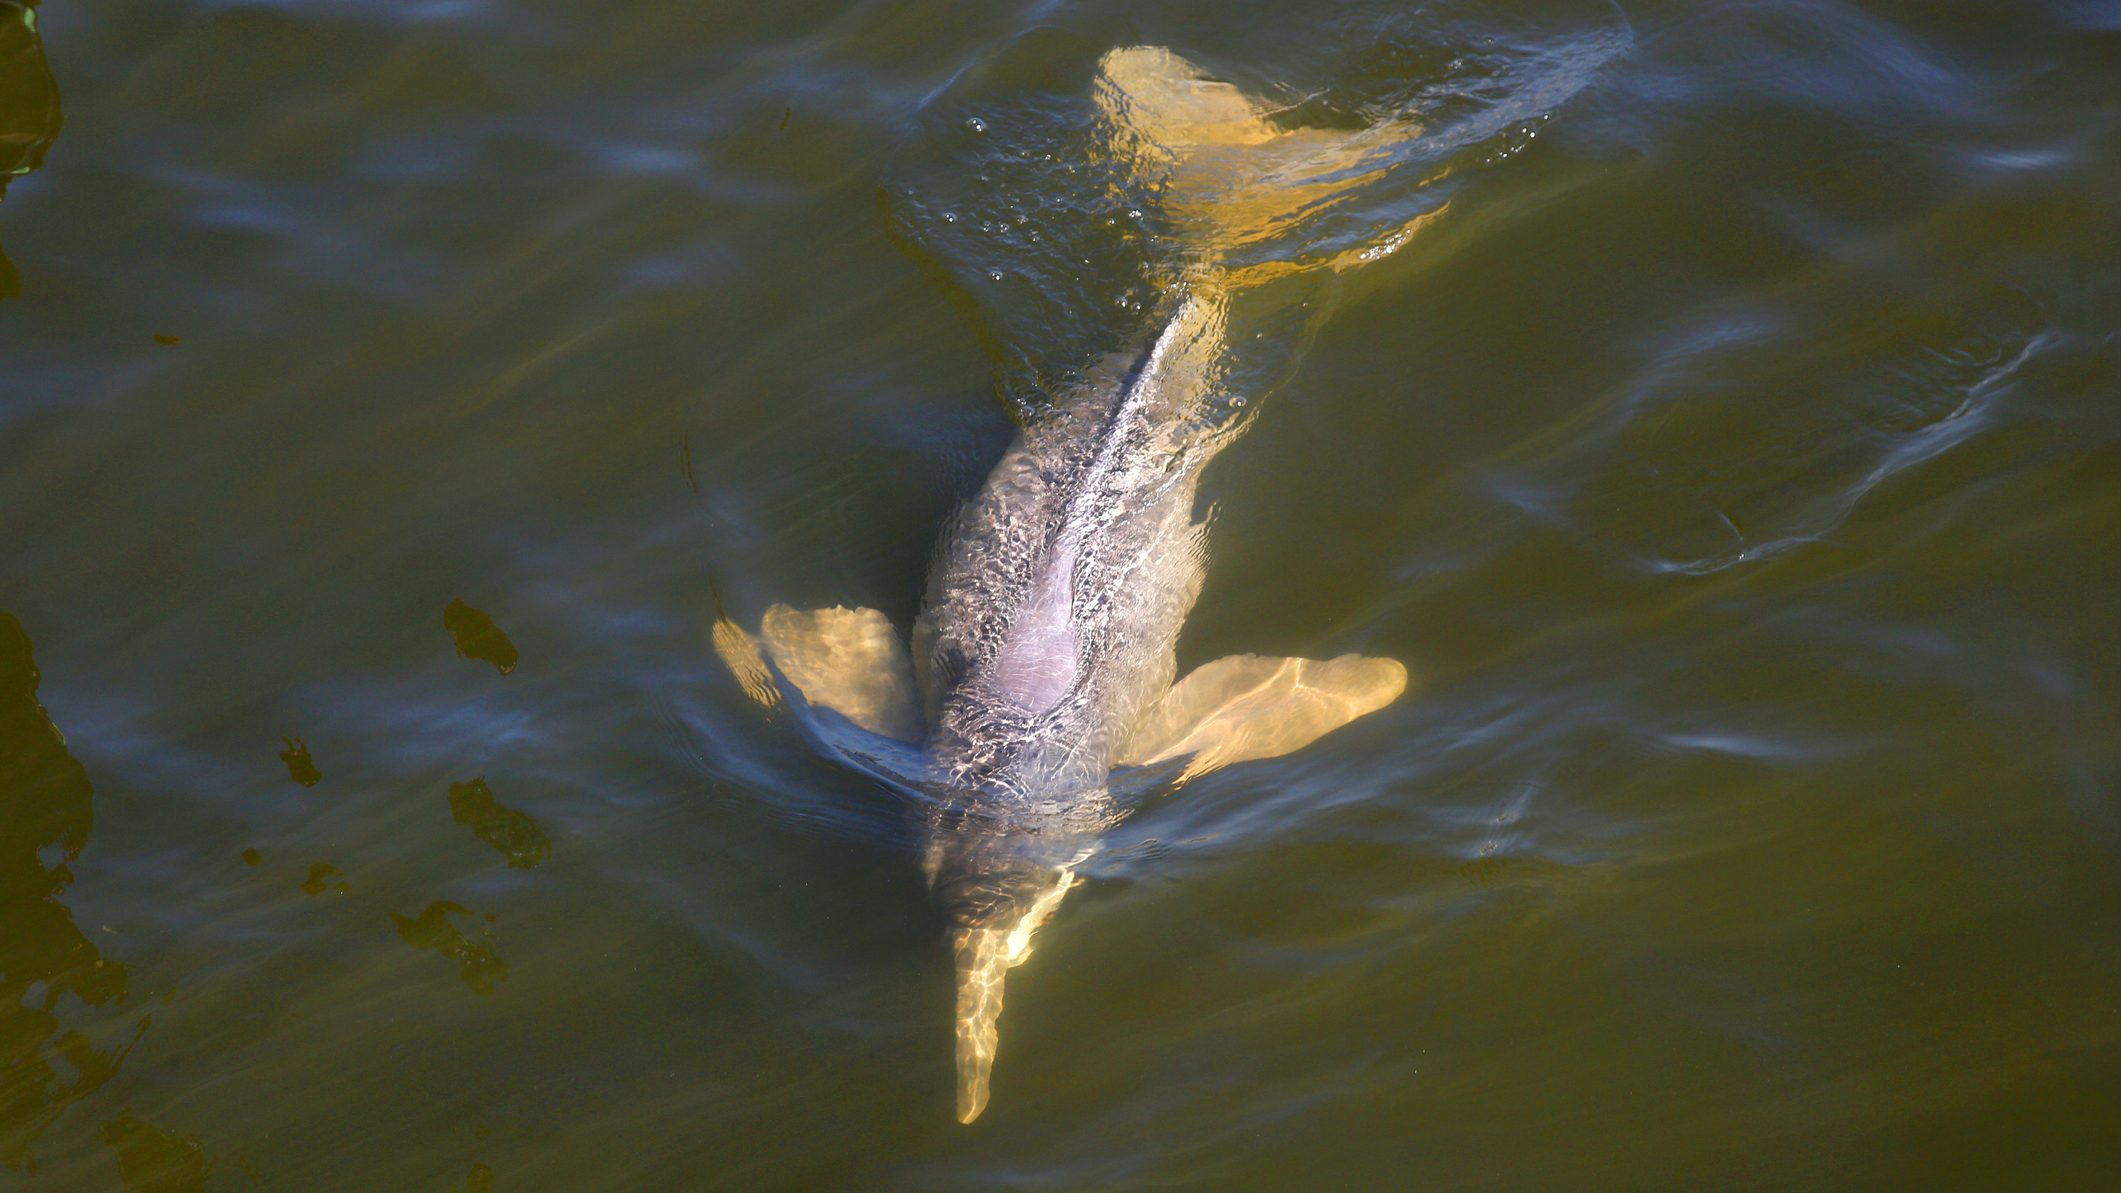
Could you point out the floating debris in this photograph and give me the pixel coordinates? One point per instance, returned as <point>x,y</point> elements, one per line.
<point>252,857</point>
<point>300,766</point>
<point>480,1180</point>
<point>46,963</point>
<point>513,833</point>
<point>321,879</point>
<point>153,1159</point>
<point>477,637</point>
<point>29,109</point>
<point>477,963</point>
<point>167,340</point>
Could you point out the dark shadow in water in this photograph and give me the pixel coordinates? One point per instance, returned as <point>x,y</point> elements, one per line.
<point>477,637</point>
<point>324,877</point>
<point>477,963</point>
<point>514,833</point>
<point>154,1161</point>
<point>300,766</point>
<point>29,108</point>
<point>45,814</point>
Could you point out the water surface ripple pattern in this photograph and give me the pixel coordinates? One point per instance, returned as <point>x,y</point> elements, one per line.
<point>1731,460</point>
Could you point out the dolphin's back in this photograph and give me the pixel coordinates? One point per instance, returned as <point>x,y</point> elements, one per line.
<point>1057,592</point>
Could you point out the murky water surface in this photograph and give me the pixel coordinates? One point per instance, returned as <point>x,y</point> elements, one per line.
<point>395,389</point>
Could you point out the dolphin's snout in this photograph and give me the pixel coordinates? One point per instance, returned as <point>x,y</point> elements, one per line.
<point>982,960</point>
<point>990,893</point>
<point>992,919</point>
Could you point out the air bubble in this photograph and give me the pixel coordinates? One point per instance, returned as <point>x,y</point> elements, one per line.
<point>975,124</point>
<point>949,217</point>
<point>996,274</point>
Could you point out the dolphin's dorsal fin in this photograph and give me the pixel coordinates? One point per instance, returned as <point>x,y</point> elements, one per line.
<point>1244,707</point>
<point>848,660</point>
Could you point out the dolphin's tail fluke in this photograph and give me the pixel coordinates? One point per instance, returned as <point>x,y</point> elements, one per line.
<point>984,955</point>
<point>1233,179</point>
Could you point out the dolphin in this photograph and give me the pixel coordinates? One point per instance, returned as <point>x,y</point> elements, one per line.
<point>1044,656</point>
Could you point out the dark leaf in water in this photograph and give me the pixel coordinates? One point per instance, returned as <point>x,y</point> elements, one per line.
<point>514,833</point>
<point>300,766</point>
<point>151,1160</point>
<point>477,637</point>
<point>29,108</point>
<point>477,963</point>
<point>46,809</point>
<point>324,877</point>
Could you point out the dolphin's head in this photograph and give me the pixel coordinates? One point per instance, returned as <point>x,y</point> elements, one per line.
<point>997,891</point>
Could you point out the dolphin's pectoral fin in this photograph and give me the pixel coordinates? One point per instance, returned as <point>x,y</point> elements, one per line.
<point>850,661</point>
<point>1244,707</point>
<point>847,660</point>
<point>746,660</point>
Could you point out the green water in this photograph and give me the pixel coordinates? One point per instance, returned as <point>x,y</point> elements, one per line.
<point>1735,462</point>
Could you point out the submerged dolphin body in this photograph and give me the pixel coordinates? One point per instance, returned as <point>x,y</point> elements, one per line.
<point>1045,654</point>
